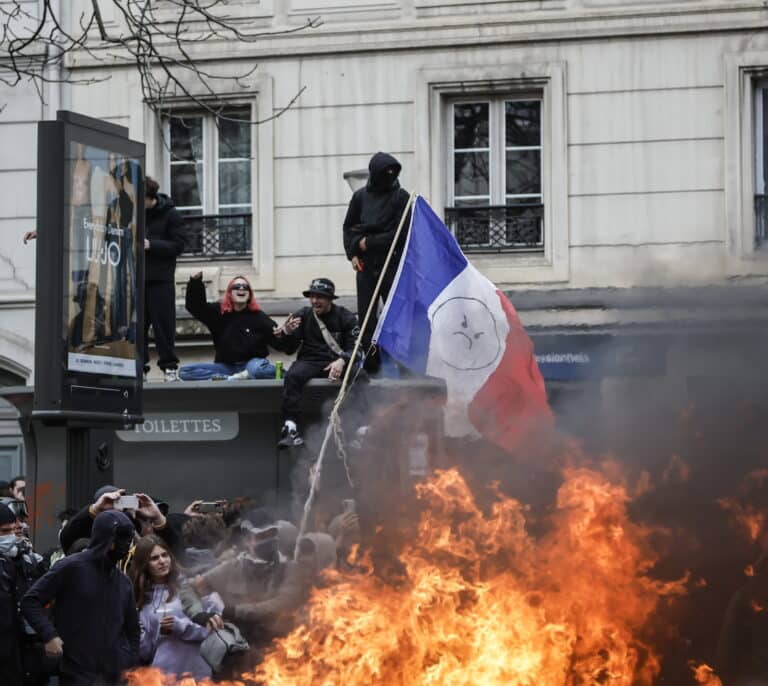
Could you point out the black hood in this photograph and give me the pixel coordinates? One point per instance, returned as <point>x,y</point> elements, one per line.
<point>106,527</point>
<point>377,179</point>
<point>164,203</point>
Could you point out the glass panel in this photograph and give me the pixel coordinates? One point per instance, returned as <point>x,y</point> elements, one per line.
<point>187,184</point>
<point>235,183</point>
<point>471,173</point>
<point>186,138</point>
<point>470,125</point>
<point>523,122</point>
<point>472,202</point>
<point>235,136</point>
<point>235,209</point>
<point>523,171</point>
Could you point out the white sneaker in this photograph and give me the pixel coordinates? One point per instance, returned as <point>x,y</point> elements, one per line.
<point>171,374</point>
<point>290,436</point>
<point>238,375</point>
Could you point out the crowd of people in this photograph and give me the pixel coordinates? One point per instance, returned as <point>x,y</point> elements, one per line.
<point>203,592</point>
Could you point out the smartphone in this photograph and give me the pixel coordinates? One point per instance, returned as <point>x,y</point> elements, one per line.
<point>127,502</point>
<point>348,505</point>
<point>206,507</point>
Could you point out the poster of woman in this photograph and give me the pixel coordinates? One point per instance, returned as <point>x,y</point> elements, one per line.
<point>102,225</point>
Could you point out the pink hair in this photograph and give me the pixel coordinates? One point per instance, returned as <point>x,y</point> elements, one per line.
<point>226,302</point>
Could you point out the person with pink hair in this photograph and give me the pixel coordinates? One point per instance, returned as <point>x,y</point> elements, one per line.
<point>242,333</point>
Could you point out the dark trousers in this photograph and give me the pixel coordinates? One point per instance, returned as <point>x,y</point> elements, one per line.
<point>160,312</point>
<point>366,284</point>
<point>297,376</point>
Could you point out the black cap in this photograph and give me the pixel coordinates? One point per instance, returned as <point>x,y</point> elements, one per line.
<point>104,489</point>
<point>321,286</point>
<point>6,515</point>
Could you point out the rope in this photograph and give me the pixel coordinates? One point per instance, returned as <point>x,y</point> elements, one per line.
<point>333,420</point>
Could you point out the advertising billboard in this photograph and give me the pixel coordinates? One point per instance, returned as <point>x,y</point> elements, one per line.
<point>90,271</point>
<point>101,219</point>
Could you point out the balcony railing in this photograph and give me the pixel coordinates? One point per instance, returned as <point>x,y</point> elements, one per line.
<point>761,221</point>
<point>498,228</point>
<point>218,236</point>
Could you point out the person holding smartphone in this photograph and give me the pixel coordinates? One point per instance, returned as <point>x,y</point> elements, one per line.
<point>170,640</point>
<point>104,499</point>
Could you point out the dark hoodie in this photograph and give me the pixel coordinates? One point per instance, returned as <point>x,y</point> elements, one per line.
<point>374,213</point>
<point>166,233</point>
<point>94,612</point>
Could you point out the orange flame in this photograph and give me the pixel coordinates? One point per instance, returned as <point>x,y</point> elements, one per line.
<point>482,602</point>
<point>748,517</point>
<point>704,674</point>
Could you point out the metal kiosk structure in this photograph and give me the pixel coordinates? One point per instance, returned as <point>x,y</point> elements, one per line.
<point>89,319</point>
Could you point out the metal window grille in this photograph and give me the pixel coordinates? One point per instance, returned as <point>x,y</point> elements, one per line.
<point>503,228</point>
<point>218,236</point>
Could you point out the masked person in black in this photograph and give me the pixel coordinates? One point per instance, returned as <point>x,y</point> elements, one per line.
<point>10,621</point>
<point>95,627</point>
<point>372,219</point>
<point>25,567</point>
<point>163,243</point>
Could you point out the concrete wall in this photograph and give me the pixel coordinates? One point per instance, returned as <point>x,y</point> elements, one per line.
<point>646,123</point>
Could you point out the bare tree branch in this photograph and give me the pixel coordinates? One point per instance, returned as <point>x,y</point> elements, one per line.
<point>155,40</point>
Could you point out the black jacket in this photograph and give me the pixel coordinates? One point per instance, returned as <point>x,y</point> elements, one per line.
<point>10,624</point>
<point>166,233</point>
<point>374,213</point>
<point>309,341</point>
<point>81,526</point>
<point>94,612</point>
<point>237,336</point>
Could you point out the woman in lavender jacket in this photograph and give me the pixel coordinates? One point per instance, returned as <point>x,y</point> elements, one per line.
<point>170,641</point>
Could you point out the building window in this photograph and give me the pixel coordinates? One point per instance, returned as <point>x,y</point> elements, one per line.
<point>495,196</point>
<point>761,163</point>
<point>210,173</point>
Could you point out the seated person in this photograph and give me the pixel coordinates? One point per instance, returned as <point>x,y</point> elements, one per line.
<point>241,333</point>
<point>324,335</point>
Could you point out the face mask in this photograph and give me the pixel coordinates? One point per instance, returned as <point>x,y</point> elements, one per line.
<point>8,545</point>
<point>121,547</point>
<point>268,550</point>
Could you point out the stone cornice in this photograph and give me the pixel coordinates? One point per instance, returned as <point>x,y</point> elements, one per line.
<point>464,31</point>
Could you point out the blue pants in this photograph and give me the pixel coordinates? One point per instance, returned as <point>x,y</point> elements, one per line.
<point>258,368</point>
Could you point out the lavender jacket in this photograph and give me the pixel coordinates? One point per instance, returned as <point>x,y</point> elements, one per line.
<point>178,652</point>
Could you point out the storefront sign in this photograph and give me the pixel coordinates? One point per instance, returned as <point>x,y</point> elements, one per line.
<point>594,356</point>
<point>187,426</point>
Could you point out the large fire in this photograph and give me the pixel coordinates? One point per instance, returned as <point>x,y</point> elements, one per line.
<point>483,603</point>
<point>480,601</point>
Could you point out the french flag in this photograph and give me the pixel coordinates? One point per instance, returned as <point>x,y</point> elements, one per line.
<point>444,319</point>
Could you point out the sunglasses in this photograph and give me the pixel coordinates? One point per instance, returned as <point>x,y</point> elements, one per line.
<point>240,287</point>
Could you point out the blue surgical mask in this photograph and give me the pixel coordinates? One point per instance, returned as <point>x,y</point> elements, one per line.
<point>8,545</point>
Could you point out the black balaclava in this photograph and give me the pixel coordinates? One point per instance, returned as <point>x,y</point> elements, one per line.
<point>383,170</point>
<point>111,536</point>
<point>122,543</point>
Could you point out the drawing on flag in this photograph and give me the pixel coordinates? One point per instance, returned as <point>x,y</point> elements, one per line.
<point>443,318</point>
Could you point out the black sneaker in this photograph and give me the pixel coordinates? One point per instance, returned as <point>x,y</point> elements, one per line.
<point>290,437</point>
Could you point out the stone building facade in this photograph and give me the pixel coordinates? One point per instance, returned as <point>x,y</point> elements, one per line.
<point>585,152</point>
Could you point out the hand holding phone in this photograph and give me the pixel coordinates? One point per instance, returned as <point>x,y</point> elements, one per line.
<point>127,502</point>
<point>206,507</point>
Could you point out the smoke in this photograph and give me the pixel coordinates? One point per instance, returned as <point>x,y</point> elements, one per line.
<point>677,414</point>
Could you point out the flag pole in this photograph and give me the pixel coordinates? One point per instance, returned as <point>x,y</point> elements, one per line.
<point>318,467</point>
